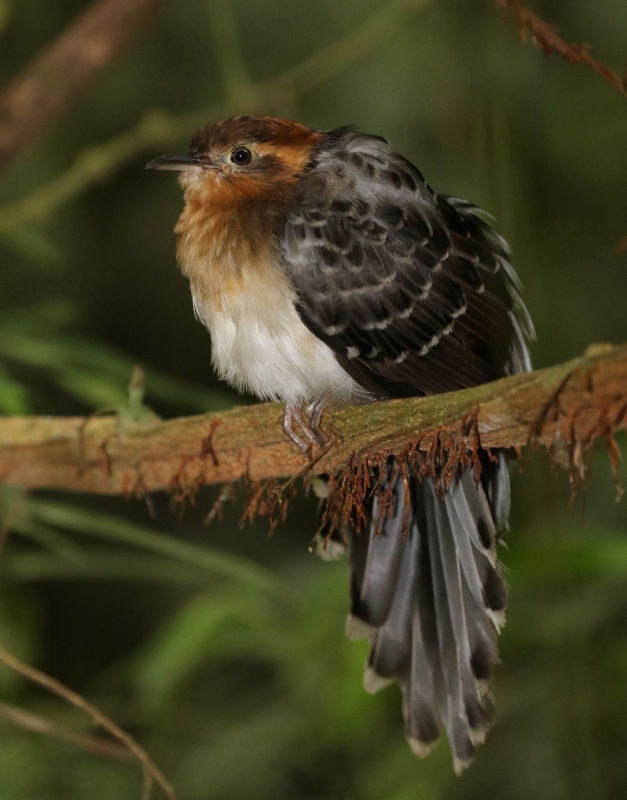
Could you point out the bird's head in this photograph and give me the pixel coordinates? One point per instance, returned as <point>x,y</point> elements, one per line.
<point>242,159</point>
<point>238,178</point>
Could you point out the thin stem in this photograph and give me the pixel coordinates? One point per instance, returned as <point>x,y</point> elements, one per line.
<point>57,76</point>
<point>158,128</point>
<point>229,54</point>
<point>36,724</point>
<point>94,164</point>
<point>353,46</point>
<point>56,687</point>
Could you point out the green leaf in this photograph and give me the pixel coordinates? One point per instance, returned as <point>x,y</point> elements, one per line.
<point>18,629</point>
<point>5,13</point>
<point>207,626</point>
<point>33,246</point>
<point>78,355</point>
<point>37,318</point>
<point>14,398</point>
<point>92,389</point>
<point>101,564</point>
<point>222,564</point>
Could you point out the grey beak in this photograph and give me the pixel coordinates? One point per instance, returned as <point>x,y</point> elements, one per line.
<point>184,162</point>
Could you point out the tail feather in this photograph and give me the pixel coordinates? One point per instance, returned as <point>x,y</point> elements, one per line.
<point>391,644</point>
<point>431,598</point>
<point>453,643</point>
<point>479,564</point>
<point>390,652</point>
<point>470,504</point>
<point>374,573</point>
<point>402,648</point>
<point>496,484</point>
<point>420,709</point>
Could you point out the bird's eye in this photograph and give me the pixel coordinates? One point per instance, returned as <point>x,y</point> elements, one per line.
<point>241,156</point>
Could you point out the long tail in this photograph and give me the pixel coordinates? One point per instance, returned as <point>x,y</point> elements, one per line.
<point>427,590</point>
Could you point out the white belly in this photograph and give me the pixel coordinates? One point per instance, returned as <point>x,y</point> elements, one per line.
<point>260,345</point>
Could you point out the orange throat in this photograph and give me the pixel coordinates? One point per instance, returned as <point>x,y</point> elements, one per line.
<point>228,249</point>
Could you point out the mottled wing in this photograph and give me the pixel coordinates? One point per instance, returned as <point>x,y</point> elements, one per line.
<point>414,292</point>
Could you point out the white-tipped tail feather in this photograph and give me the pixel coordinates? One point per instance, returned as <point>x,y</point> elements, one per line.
<point>431,600</point>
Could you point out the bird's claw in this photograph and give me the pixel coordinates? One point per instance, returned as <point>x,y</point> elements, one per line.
<point>307,420</point>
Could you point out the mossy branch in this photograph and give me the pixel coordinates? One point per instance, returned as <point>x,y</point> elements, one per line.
<point>565,408</point>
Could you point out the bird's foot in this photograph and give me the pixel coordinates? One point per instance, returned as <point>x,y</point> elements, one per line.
<point>314,412</point>
<point>303,426</point>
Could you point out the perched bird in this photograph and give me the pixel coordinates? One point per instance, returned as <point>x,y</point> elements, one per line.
<point>327,271</point>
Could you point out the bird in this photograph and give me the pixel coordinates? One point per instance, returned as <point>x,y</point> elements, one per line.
<point>328,272</point>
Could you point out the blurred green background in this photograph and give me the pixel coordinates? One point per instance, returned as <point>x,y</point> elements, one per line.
<point>221,648</point>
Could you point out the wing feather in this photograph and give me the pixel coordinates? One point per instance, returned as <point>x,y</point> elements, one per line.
<point>414,292</point>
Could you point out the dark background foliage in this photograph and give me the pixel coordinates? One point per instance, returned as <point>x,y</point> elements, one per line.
<point>221,649</point>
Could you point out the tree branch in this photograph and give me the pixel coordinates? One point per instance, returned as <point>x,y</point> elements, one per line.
<point>565,408</point>
<point>60,73</point>
<point>547,37</point>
